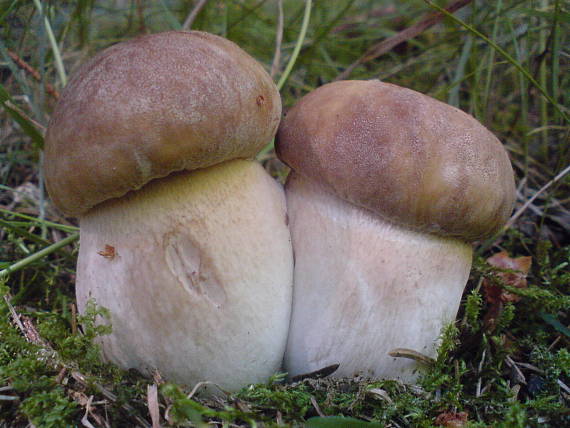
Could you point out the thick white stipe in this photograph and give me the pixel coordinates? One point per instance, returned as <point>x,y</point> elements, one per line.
<point>363,287</point>
<point>200,283</point>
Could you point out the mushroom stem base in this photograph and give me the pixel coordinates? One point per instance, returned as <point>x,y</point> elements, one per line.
<point>364,286</point>
<point>196,271</point>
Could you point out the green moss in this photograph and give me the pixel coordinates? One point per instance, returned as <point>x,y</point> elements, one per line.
<point>50,408</point>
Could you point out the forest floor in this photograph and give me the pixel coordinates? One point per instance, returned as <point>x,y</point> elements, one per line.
<point>505,362</point>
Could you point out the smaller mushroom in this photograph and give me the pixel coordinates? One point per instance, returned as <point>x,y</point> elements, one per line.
<point>387,190</point>
<point>183,236</point>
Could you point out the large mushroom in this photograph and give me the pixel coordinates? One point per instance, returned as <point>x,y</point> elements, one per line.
<point>388,188</point>
<point>182,237</point>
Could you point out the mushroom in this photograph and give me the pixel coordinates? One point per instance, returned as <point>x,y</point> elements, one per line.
<point>387,190</point>
<point>182,238</point>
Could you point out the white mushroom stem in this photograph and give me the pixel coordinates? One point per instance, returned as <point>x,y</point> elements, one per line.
<point>196,271</point>
<point>364,286</point>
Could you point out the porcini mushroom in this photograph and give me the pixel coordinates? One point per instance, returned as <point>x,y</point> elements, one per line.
<point>388,188</point>
<point>182,238</point>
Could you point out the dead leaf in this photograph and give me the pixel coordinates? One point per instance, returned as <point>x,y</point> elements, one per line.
<point>519,268</point>
<point>452,420</point>
<point>511,272</point>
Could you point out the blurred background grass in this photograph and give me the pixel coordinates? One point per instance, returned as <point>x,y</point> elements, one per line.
<point>501,81</point>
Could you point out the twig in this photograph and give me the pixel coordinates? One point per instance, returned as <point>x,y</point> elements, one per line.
<point>563,386</point>
<point>85,421</point>
<point>193,14</point>
<point>79,377</point>
<point>412,355</point>
<point>390,43</point>
<point>9,398</point>
<point>536,195</point>
<point>73,318</point>
<point>512,364</point>
<point>530,367</point>
<point>479,369</point>
<point>381,394</point>
<point>278,39</point>
<point>200,385</point>
<point>37,256</point>
<point>317,408</point>
<point>539,212</point>
<point>15,316</point>
<point>152,403</point>
<point>32,72</point>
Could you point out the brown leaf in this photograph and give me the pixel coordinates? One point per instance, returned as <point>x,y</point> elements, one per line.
<point>519,266</point>
<point>495,293</point>
<point>452,420</point>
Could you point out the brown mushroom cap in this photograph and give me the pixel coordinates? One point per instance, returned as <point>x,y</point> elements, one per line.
<point>160,103</point>
<point>403,155</point>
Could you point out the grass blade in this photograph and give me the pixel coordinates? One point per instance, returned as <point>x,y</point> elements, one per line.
<point>506,55</point>
<point>53,43</point>
<point>20,118</point>
<point>39,255</point>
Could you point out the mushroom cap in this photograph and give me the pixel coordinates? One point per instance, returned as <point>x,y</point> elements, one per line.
<point>153,105</point>
<point>405,156</point>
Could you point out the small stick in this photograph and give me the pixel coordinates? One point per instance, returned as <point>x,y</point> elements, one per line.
<point>73,318</point>
<point>412,355</point>
<point>536,195</point>
<point>390,43</point>
<point>519,373</point>
<point>317,408</point>
<point>9,398</point>
<point>152,403</point>
<point>554,342</point>
<point>200,385</point>
<point>193,14</point>
<point>85,421</point>
<point>530,367</point>
<point>15,316</point>
<point>563,386</point>
<point>79,377</point>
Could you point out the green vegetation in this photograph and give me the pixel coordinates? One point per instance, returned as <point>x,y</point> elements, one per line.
<point>504,363</point>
